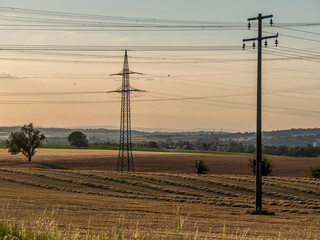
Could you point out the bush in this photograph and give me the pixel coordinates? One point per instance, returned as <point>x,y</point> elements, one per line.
<point>313,172</point>
<point>201,167</point>
<point>266,166</point>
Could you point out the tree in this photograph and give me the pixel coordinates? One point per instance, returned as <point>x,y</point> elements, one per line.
<point>25,141</point>
<point>313,172</point>
<point>152,144</point>
<point>78,139</point>
<point>201,167</point>
<point>266,166</point>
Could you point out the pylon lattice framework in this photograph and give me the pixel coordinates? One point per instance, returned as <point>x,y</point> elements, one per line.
<point>125,157</point>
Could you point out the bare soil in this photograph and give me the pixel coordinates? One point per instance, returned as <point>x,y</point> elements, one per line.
<point>106,160</point>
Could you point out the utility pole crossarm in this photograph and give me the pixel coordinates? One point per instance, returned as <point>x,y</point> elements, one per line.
<point>262,38</point>
<point>260,17</point>
<point>250,39</point>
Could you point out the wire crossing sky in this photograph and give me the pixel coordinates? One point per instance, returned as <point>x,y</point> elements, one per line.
<point>57,57</point>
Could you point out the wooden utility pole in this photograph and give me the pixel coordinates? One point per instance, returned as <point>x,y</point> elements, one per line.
<point>258,132</point>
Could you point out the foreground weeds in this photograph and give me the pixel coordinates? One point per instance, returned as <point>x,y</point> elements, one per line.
<point>12,231</point>
<point>44,227</point>
<point>15,232</point>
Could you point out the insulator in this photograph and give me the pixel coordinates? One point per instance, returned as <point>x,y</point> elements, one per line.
<point>276,42</point>
<point>271,22</point>
<point>265,43</point>
<point>254,45</point>
<point>243,46</point>
<point>249,25</point>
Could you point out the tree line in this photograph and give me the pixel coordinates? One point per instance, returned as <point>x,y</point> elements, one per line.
<point>238,147</point>
<point>28,139</point>
<point>297,151</point>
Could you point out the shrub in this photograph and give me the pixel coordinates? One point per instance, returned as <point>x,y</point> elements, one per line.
<point>266,166</point>
<point>313,172</point>
<point>201,167</point>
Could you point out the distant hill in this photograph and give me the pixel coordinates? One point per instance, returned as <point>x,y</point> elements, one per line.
<point>290,137</point>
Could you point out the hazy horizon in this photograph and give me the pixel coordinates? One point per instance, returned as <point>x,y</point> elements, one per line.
<point>156,129</point>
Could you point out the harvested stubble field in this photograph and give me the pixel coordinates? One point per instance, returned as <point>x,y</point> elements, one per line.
<point>77,190</point>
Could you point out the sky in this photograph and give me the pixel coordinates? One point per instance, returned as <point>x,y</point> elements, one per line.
<point>57,58</point>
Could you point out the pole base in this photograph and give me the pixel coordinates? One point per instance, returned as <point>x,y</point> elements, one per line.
<point>260,212</point>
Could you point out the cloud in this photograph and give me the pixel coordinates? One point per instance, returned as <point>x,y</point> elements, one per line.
<point>149,79</point>
<point>4,75</point>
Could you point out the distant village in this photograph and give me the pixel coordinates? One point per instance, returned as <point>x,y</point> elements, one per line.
<point>292,142</point>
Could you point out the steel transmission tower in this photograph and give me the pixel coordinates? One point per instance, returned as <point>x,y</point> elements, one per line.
<point>125,157</point>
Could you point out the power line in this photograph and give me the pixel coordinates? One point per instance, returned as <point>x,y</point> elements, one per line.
<point>297,30</point>
<point>296,24</point>
<point>296,37</point>
<point>104,17</point>
<point>234,105</point>
<point>98,18</point>
<point>199,61</point>
<point>119,30</point>
<point>293,53</point>
<point>116,48</point>
<point>299,50</point>
<point>49,93</point>
<point>302,38</point>
<point>293,56</point>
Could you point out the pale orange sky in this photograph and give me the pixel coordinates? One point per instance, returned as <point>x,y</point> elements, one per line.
<point>228,78</point>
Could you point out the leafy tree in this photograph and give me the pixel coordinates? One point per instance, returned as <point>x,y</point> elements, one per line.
<point>78,139</point>
<point>250,148</point>
<point>201,167</point>
<point>152,144</point>
<point>205,146</point>
<point>25,141</point>
<point>266,166</point>
<point>282,150</point>
<point>313,172</point>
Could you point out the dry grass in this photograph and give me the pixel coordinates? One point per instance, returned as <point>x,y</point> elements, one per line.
<point>154,205</point>
<point>98,204</point>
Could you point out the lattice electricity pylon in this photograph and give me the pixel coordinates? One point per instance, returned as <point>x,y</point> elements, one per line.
<point>125,157</point>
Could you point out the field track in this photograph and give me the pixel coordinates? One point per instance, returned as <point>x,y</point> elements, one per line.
<point>159,203</point>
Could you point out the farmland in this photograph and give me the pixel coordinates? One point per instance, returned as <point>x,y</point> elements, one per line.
<point>80,192</point>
